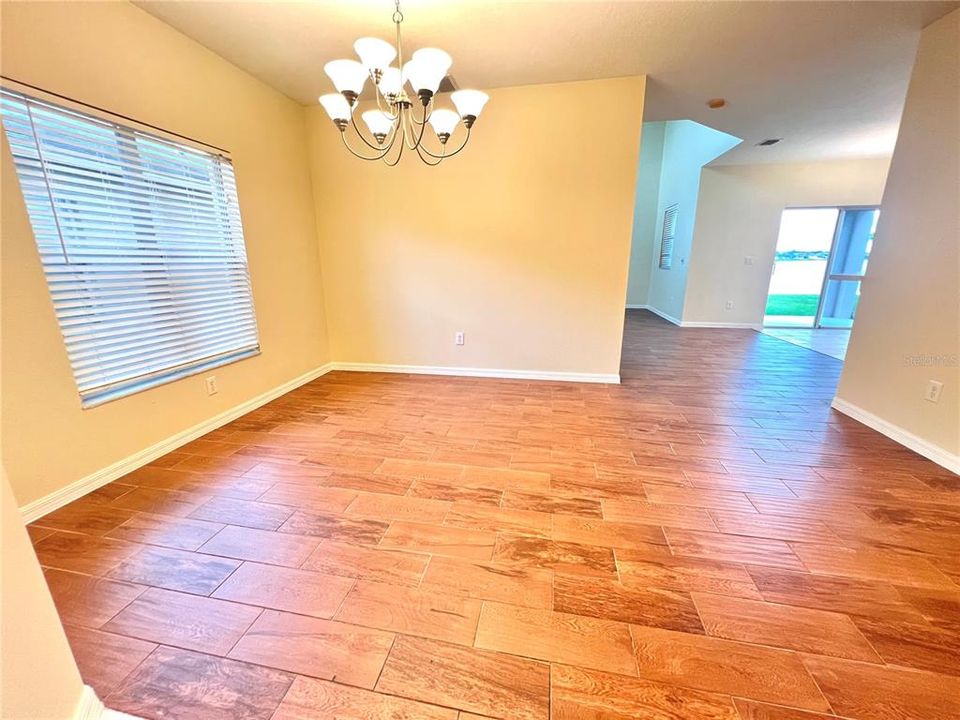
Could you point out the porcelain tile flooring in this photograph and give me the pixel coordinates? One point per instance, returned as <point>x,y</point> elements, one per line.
<point>706,540</point>
<point>829,341</point>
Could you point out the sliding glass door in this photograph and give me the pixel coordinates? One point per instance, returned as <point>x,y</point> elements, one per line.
<point>803,250</point>
<point>821,258</point>
<point>848,264</point>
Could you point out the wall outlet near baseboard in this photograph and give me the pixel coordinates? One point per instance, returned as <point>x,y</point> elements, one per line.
<point>729,305</point>
<point>458,338</point>
<point>211,383</point>
<point>934,388</point>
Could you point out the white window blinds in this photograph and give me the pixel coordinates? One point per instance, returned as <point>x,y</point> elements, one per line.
<point>667,235</point>
<point>141,244</point>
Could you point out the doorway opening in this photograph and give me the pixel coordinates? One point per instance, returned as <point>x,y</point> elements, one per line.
<point>821,258</point>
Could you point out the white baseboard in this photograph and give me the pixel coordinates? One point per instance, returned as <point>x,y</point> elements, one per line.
<point>47,504</point>
<point>89,707</point>
<point>612,378</point>
<point>694,323</point>
<point>920,446</point>
<point>735,326</point>
<point>662,314</point>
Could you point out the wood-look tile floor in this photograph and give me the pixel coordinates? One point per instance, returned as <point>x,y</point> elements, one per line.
<point>707,540</point>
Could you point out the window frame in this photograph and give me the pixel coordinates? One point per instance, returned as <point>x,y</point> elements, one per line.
<point>233,280</point>
<point>668,234</point>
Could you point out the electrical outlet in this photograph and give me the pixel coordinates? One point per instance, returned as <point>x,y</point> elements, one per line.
<point>212,385</point>
<point>748,260</point>
<point>729,305</point>
<point>934,387</point>
<point>458,338</point>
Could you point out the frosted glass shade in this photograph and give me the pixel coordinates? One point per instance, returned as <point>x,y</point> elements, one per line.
<point>336,106</point>
<point>374,53</point>
<point>426,69</point>
<point>418,77</point>
<point>391,81</point>
<point>347,75</point>
<point>378,122</point>
<point>469,102</point>
<point>436,60</point>
<point>444,121</point>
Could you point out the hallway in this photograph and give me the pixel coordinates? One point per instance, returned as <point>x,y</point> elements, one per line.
<point>706,540</point>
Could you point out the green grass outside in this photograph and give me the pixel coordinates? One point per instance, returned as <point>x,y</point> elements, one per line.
<point>802,305</point>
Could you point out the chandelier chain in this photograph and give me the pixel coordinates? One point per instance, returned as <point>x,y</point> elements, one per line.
<point>397,19</point>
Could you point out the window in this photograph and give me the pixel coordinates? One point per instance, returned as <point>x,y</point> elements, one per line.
<point>141,244</point>
<point>666,237</point>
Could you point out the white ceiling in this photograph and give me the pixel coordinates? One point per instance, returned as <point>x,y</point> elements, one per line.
<point>828,77</point>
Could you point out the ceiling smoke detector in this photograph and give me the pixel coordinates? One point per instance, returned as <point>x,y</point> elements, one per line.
<point>769,142</point>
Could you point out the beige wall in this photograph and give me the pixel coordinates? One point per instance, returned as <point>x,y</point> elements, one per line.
<point>522,241</point>
<point>910,304</point>
<point>645,213</point>
<point>40,680</point>
<point>118,57</point>
<point>738,216</point>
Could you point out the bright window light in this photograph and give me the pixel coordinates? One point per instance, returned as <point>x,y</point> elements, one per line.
<point>142,247</point>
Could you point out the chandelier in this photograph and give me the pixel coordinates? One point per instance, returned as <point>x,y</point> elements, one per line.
<point>395,124</point>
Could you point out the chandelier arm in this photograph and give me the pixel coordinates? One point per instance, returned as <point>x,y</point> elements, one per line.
<point>444,153</point>
<point>426,114</point>
<point>397,160</point>
<point>404,126</point>
<point>408,130</point>
<point>413,131</point>
<point>425,161</point>
<point>381,99</point>
<point>343,136</point>
<point>377,94</point>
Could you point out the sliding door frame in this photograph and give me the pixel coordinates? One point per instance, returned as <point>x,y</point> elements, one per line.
<point>842,210</point>
<point>828,275</point>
